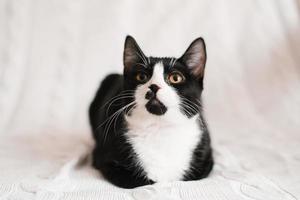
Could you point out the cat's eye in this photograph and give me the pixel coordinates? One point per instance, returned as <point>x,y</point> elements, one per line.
<point>176,78</point>
<point>141,77</point>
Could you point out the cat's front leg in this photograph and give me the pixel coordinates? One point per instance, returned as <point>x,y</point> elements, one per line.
<point>123,176</point>
<point>118,170</point>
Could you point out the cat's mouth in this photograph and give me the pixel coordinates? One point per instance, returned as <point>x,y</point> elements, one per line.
<point>156,107</point>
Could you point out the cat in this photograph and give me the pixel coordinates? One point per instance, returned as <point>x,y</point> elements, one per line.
<point>148,123</point>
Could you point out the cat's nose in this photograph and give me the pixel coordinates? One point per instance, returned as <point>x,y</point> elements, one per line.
<point>152,92</point>
<point>154,88</point>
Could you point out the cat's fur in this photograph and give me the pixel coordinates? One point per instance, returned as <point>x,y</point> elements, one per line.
<point>152,131</point>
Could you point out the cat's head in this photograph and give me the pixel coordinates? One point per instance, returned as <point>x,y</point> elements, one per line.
<point>165,85</point>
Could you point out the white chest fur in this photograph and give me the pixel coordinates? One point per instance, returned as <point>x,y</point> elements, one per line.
<point>164,145</point>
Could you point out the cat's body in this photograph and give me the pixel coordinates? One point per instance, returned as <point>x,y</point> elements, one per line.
<point>147,131</point>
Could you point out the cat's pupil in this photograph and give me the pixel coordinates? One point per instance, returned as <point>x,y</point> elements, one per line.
<point>175,77</point>
<point>141,77</point>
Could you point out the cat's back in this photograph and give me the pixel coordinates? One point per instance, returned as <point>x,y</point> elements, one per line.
<point>110,87</point>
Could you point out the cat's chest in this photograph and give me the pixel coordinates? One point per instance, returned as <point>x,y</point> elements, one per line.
<point>165,152</point>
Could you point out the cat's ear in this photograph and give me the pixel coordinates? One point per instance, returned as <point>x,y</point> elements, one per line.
<point>195,57</point>
<point>133,54</point>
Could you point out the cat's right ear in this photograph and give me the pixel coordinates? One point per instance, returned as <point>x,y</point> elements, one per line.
<point>195,57</point>
<point>133,54</point>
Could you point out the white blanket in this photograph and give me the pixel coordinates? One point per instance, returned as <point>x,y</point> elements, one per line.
<point>53,55</point>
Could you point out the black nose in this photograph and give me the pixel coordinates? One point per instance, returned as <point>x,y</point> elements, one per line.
<point>153,89</point>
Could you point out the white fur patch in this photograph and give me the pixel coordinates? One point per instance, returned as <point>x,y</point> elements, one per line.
<point>164,144</point>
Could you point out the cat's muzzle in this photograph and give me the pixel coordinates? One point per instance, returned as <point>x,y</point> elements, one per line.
<point>154,106</point>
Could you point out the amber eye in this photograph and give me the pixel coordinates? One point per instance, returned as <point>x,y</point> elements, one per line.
<point>176,78</point>
<point>141,77</point>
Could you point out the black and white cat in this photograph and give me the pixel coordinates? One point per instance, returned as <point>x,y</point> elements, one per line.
<point>148,123</point>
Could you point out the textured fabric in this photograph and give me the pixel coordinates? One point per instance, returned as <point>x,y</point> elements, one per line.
<point>53,55</point>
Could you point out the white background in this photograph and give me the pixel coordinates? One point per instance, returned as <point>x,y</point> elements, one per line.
<point>53,55</point>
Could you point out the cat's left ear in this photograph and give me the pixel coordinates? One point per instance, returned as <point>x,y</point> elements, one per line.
<point>195,57</point>
<point>133,54</point>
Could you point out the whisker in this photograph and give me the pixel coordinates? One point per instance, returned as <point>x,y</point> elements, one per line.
<point>188,112</point>
<point>117,99</point>
<point>119,95</point>
<point>193,103</point>
<point>112,118</point>
<point>113,114</point>
<point>191,108</point>
<point>116,119</point>
<point>107,126</point>
<point>130,109</point>
<point>120,114</point>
